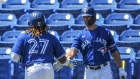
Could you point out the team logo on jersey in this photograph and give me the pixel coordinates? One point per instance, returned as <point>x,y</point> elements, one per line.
<point>103,50</point>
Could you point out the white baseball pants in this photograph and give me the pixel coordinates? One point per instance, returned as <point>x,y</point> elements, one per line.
<point>40,71</point>
<point>103,73</point>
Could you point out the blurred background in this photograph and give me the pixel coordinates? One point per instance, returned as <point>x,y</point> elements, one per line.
<point>122,17</point>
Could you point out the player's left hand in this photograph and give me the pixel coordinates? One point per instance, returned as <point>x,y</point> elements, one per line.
<point>57,66</point>
<point>122,73</point>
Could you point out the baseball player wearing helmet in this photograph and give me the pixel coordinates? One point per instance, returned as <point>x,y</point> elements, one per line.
<point>94,43</point>
<point>36,49</point>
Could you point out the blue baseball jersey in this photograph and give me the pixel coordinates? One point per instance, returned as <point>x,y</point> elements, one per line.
<point>40,49</point>
<point>95,45</point>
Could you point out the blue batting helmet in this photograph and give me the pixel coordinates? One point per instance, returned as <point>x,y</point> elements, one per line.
<point>89,11</point>
<point>37,19</point>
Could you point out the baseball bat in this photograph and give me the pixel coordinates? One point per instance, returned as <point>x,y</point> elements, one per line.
<point>123,66</point>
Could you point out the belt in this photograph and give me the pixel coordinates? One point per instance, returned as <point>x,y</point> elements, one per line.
<point>97,67</point>
<point>36,63</point>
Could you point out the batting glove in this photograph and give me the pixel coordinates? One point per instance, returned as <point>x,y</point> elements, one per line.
<point>122,73</point>
<point>70,63</point>
<point>57,66</point>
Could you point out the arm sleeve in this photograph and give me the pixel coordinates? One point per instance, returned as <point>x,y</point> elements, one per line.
<point>76,43</point>
<point>17,49</point>
<point>111,43</point>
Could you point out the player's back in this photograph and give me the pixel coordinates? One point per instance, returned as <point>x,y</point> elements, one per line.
<point>41,48</point>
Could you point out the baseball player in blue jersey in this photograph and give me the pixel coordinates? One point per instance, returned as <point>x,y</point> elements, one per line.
<point>36,49</point>
<point>94,43</point>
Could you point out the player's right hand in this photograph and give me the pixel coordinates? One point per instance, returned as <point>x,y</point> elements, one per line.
<point>57,66</point>
<point>70,63</point>
<point>122,73</point>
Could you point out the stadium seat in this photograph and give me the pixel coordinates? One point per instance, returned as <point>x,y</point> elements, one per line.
<point>128,6</point>
<point>89,1</point>
<point>60,22</point>
<point>130,35</point>
<point>127,67</point>
<point>4,28</point>
<point>72,6</point>
<point>60,1</point>
<point>8,19</point>
<point>53,32</point>
<point>8,38</point>
<point>130,38</point>
<point>31,1</point>
<point>99,19</point>
<point>80,25</point>
<point>118,1</point>
<point>137,69</point>
<point>127,51</point>
<point>128,56</point>
<point>16,4</point>
<point>114,34</point>
<point>103,7</point>
<point>5,52</point>
<point>64,73</point>
<point>1,4</point>
<point>118,22</point>
<point>136,23</point>
<point>119,18</point>
<point>45,4</point>
<point>47,7</point>
<point>17,7</point>
<point>138,53</point>
<point>67,37</point>
<point>22,22</point>
<point>5,64</point>
<point>18,68</point>
<point>78,71</point>
<point>5,69</point>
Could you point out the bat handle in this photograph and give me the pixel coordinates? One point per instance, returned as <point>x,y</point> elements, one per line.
<point>122,77</point>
